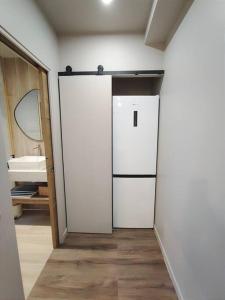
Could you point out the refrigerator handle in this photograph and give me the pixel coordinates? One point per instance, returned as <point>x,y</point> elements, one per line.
<point>135,118</point>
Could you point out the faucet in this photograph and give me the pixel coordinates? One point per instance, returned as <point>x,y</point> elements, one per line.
<point>38,147</point>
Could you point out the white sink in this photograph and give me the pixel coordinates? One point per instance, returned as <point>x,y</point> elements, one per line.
<point>27,163</point>
<point>28,168</point>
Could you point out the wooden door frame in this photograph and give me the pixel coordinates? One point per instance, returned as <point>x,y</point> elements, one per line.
<point>47,135</point>
<point>47,138</point>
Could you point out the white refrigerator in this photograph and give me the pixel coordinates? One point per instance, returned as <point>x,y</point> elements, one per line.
<point>135,132</point>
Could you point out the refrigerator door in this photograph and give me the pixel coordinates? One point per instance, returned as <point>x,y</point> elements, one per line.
<point>135,126</point>
<point>133,202</point>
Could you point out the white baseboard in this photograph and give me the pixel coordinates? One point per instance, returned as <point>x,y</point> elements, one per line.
<point>64,236</point>
<point>168,265</point>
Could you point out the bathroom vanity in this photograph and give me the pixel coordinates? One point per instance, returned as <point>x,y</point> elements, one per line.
<point>29,169</point>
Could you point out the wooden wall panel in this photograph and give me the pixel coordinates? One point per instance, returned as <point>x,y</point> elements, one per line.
<point>19,78</point>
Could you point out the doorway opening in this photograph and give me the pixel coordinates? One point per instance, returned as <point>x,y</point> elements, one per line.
<point>25,120</point>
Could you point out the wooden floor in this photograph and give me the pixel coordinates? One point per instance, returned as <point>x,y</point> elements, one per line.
<point>126,265</point>
<point>34,241</point>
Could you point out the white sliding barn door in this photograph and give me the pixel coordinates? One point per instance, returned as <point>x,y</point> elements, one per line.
<point>86,115</point>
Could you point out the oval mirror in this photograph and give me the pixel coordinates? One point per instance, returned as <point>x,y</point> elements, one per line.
<point>27,115</point>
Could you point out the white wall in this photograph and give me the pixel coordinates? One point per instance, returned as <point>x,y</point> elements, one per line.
<point>190,211</point>
<point>114,52</point>
<point>10,276</point>
<point>23,20</point>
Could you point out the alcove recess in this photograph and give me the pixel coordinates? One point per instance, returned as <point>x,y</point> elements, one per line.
<point>136,85</point>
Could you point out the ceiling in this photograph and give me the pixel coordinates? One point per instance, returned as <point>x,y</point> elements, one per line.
<point>93,17</point>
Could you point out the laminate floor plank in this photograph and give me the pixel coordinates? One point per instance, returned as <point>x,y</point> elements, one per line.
<point>34,240</point>
<point>127,265</point>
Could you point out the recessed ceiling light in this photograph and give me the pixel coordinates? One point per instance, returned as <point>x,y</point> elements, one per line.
<point>107,2</point>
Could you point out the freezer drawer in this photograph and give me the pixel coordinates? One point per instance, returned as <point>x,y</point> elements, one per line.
<point>133,202</point>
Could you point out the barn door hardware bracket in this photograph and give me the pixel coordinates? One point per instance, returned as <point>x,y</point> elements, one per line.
<point>100,70</point>
<point>69,69</point>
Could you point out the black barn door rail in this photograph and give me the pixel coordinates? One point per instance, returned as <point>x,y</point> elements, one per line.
<point>100,71</point>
